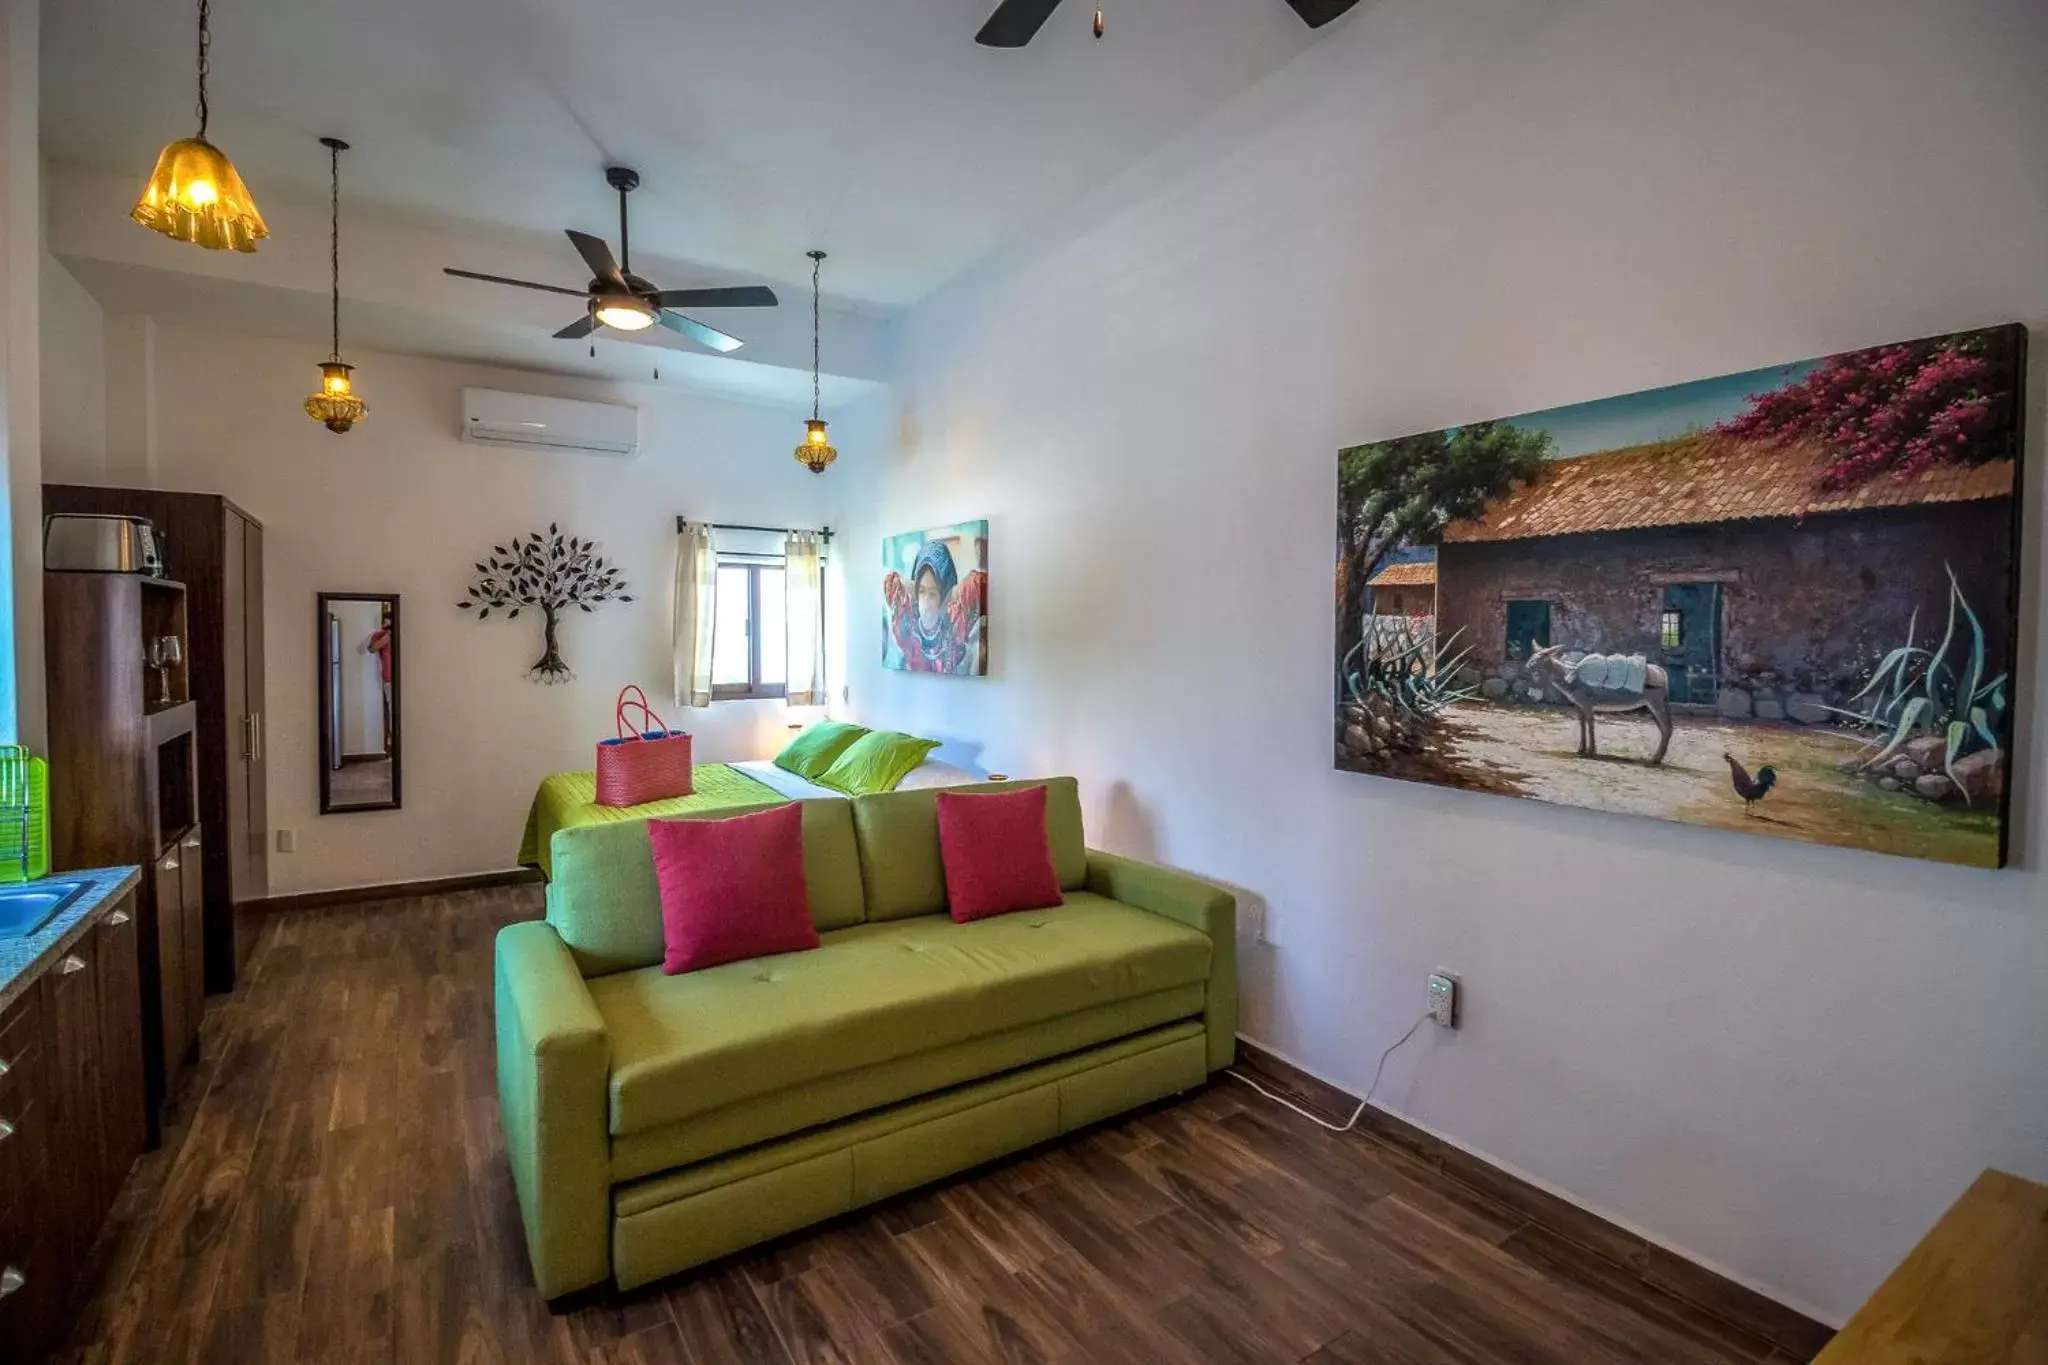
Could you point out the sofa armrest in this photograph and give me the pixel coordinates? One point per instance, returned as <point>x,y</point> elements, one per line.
<point>1199,905</point>
<point>554,1064</point>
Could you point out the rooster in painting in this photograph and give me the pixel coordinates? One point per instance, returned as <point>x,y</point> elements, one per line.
<point>1751,789</point>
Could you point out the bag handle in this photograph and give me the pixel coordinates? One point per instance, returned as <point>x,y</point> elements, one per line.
<point>632,697</point>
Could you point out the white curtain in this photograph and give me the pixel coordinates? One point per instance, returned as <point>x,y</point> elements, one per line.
<point>803,584</point>
<point>694,613</point>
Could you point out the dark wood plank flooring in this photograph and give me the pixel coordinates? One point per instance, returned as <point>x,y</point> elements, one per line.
<point>334,1190</point>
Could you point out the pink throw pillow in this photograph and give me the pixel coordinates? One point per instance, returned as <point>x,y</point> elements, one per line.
<point>997,856</point>
<point>731,889</point>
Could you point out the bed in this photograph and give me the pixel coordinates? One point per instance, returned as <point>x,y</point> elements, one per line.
<point>569,800</point>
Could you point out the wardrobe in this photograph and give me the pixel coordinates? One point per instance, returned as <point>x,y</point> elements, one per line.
<point>215,549</point>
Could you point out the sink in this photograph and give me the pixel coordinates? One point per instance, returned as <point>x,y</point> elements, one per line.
<point>27,906</point>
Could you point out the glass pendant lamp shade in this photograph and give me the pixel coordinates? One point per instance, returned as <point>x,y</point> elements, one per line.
<point>816,452</point>
<point>195,195</point>
<point>336,406</point>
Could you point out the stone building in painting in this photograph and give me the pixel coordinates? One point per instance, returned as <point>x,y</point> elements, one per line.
<point>1726,561</point>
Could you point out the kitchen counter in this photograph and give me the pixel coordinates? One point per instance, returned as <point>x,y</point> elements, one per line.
<point>22,960</point>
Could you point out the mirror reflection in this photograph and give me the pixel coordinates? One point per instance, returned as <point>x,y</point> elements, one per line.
<point>359,676</point>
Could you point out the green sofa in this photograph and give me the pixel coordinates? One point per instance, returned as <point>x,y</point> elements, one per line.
<point>656,1122</point>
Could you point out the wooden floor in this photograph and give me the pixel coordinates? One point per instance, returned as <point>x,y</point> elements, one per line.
<point>335,1189</point>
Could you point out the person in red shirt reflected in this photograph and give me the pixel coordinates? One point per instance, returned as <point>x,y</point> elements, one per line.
<point>380,644</point>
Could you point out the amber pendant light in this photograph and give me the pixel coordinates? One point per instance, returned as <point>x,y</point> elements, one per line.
<point>335,406</point>
<point>816,452</point>
<point>195,194</point>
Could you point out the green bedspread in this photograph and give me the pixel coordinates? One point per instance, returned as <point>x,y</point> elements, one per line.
<point>567,800</point>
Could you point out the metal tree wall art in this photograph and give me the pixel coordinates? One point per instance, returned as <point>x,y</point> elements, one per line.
<point>547,574</point>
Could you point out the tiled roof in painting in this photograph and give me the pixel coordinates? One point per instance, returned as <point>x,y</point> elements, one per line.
<point>1404,576</point>
<point>1708,478</point>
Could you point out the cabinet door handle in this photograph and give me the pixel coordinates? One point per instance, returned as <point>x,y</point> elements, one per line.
<point>71,964</point>
<point>118,917</point>
<point>259,737</point>
<point>192,842</point>
<point>6,1130</point>
<point>5,1066</point>
<point>11,1280</point>
<point>249,736</point>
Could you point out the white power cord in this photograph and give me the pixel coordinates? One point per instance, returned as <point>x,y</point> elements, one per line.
<point>1351,1122</point>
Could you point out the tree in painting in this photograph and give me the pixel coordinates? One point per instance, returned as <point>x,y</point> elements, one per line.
<point>1407,490</point>
<point>1895,409</point>
<point>548,574</point>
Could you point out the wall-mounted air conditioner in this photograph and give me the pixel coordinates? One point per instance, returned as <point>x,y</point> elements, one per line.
<point>526,419</point>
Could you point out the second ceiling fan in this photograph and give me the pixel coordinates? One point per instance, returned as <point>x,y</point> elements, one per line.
<point>619,299</point>
<point>1016,22</point>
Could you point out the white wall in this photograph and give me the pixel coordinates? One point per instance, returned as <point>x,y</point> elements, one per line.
<point>74,377</point>
<point>21,558</point>
<point>400,505</point>
<point>1782,1060</point>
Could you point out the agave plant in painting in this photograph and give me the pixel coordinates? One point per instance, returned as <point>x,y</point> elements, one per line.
<point>1709,603</point>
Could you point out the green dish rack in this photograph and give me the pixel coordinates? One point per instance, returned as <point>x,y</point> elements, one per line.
<point>24,815</point>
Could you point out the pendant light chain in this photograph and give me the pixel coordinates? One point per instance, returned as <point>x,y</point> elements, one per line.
<point>205,42</point>
<point>334,240</point>
<point>817,261</point>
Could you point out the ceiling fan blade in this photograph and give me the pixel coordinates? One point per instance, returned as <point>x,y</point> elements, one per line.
<point>1316,13</point>
<point>598,257</point>
<point>578,329</point>
<point>517,284</point>
<point>699,333</point>
<point>1015,22</point>
<point>744,296</point>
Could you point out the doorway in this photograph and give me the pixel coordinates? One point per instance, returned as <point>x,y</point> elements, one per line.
<point>1689,641</point>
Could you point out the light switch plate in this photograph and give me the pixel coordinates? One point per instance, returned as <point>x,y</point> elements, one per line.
<point>287,841</point>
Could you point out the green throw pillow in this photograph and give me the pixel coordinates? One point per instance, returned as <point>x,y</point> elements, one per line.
<point>876,762</point>
<point>813,751</point>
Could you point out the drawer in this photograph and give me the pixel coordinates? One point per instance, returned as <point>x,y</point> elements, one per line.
<point>24,1160</point>
<point>32,1293</point>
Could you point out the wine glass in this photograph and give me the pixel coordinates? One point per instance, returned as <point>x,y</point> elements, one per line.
<point>168,652</point>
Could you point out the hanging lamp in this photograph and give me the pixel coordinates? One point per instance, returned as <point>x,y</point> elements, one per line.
<point>335,405</point>
<point>816,452</point>
<point>195,194</point>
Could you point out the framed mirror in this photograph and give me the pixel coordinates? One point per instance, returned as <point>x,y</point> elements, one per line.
<point>361,744</point>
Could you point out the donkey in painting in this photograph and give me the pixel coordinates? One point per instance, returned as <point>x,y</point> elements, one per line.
<point>1548,670</point>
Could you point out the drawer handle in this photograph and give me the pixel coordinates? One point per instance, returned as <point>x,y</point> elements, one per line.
<point>170,864</point>
<point>11,1280</point>
<point>6,1130</point>
<point>5,1066</point>
<point>118,917</point>
<point>71,964</point>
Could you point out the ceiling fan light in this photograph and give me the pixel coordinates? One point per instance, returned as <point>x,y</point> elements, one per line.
<point>625,315</point>
<point>195,195</point>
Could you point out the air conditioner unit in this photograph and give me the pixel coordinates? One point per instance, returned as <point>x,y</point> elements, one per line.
<point>494,417</point>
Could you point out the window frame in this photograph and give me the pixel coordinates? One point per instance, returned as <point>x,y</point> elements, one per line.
<point>753,689</point>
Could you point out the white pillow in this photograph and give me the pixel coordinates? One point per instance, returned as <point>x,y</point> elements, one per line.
<point>932,773</point>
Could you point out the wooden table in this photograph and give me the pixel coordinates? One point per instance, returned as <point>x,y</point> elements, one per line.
<point>1973,1292</point>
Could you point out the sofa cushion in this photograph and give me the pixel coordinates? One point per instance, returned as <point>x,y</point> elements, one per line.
<point>901,870</point>
<point>606,903</point>
<point>732,889</point>
<point>684,1045</point>
<point>994,849</point>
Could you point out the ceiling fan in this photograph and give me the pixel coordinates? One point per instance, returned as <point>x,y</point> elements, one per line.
<point>619,299</point>
<point>1016,22</point>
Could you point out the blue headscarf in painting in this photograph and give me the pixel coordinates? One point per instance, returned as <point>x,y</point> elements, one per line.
<point>935,556</point>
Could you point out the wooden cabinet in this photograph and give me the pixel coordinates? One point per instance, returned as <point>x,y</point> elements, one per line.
<point>70,1124</point>
<point>216,549</point>
<point>180,948</point>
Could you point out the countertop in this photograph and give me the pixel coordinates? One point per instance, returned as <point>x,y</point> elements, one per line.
<point>22,960</point>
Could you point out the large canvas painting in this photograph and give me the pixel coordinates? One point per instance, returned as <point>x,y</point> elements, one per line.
<point>935,600</point>
<point>1783,602</point>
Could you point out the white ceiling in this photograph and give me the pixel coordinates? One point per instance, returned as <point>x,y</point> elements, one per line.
<point>874,128</point>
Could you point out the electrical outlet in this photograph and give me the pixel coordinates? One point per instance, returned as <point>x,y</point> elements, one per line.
<point>1443,999</point>
<point>287,841</point>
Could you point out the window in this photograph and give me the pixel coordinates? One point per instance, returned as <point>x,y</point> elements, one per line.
<point>749,646</point>
<point>1671,630</point>
<point>1528,628</point>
